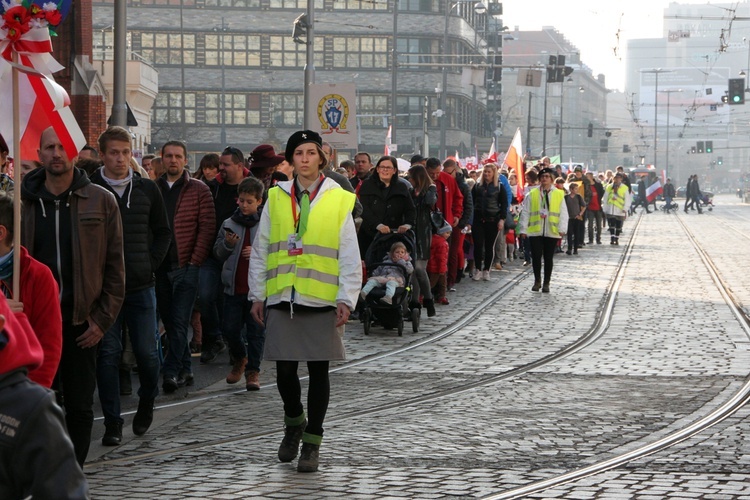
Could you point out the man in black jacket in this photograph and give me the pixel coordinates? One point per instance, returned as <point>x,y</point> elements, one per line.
<point>146,238</point>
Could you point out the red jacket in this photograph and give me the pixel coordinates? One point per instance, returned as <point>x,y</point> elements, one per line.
<point>19,346</point>
<point>41,305</point>
<point>439,250</point>
<point>450,200</point>
<point>194,225</point>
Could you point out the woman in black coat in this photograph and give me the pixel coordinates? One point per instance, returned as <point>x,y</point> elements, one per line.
<point>386,204</point>
<point>424,196</point>
<point>490,211</point>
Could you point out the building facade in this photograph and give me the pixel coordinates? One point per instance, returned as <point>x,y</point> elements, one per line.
<point>231,74</point>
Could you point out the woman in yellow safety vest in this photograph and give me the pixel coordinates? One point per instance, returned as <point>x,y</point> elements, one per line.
<point>616,206</point>
<point>305,265</point>
<point>543,220</point>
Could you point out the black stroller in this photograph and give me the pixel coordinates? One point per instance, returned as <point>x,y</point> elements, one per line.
<point>389,315</point>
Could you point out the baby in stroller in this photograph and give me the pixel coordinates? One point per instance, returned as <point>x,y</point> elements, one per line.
<point>390,277</point>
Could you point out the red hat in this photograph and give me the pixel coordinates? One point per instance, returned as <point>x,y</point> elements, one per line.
<point>264,157</point>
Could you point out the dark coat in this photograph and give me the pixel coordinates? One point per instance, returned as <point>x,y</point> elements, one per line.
<point>423,203</point>
<point>145,229</point>
<point>468,202</point>
<point>490,202</point>
<point>390,205</point>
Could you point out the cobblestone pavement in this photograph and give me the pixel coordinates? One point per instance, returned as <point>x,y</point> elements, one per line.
<point>672,352</point>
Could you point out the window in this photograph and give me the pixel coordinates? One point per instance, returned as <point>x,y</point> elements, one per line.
<point>168,108</point>
<point>418,50</point>
<point>239,109</point>
<point>287,109</point>
<point>419,5</point>
<point>168,48</point>
<point>373,110</point>
<point>413,106</point>
<point>233,3</point>
<point>285,53</point>
<point>361,4</point>
<point>351,52</point>
<point>294,4</point>
<point>238,50</point>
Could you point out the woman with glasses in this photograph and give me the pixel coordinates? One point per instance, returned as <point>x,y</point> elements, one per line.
<point>386,203</point>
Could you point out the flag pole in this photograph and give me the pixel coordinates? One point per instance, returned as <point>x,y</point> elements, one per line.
<point>17,184</point>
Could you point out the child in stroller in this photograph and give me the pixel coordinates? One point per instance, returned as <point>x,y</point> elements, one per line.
<point>390,276</point>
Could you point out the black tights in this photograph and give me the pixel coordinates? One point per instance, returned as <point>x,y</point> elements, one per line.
<point>318,392</point>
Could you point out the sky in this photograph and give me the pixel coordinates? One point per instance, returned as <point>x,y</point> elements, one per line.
<point>596,27</point>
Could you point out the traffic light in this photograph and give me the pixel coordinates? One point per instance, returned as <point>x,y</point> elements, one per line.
<point>699,146</point>
<point>552,69</point>
<point>725,98</point>
<point>736,91</point>
<point>720,160</point>
<point>590,132</point>
<point>693,150</point>
<point>709,146</point>
<point>556,69</point>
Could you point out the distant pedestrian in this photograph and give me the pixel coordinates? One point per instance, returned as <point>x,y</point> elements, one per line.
<point>543,216</point>
<point>490,211</point>
<point>616,207</point>
<point>307,269</point>
<point>437,266</point>
<point>576,209</point>
<point>669,194</point>
<point>688,194</point>
<point>594,213</point>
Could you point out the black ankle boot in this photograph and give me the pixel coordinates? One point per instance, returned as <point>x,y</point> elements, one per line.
<point>309,458</point>
<point>290,444</point>
<point>429,304</point>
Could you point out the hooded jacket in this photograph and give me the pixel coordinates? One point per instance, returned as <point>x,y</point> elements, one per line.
<point>82,235</point>
<point>36,455</point>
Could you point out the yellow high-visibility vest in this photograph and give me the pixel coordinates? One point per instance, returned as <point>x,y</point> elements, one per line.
<point>315,273</point>
<point>556,198</point>
<point>618,201</point>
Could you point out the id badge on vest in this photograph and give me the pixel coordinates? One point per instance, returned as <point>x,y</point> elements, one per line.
<point>294,245</point>
<point>543,213</point>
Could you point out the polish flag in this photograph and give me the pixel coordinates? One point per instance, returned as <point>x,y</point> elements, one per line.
<point>514,162</point>
<point>42,102</point>
<point>492,155</point>
<point>654,190</point>
<point>387,151</point>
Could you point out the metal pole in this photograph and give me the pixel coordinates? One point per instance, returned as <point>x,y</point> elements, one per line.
<point>528,124</point>
<point>544,128</point>
<point>656,108</point>
<point>223,90</point>
<point>666,162</point>
<point>562,107</point>
<point>394,74</point>
<point>444,94</point>
<point>425,119</point>
<point>309,65</point>
<point>119,107</point>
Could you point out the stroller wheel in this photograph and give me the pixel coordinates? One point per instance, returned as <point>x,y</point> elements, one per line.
<point>400,325</point>
<point>366,317</point>
<point>415,315</point>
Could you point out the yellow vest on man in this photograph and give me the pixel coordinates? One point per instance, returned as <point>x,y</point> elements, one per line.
<point>619,200</point>
<point>556,199</point>
<point>314,273</point>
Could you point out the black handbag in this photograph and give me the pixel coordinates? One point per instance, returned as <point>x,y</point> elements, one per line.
<point>437,219</point>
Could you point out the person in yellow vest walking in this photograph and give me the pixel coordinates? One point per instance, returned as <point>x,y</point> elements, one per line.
<point>543,220</point>
<point>305,265</point>
<point>616,205</point>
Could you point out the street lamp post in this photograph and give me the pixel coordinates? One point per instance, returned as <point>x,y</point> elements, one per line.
<point>666,162</point>
<point>220,31</point>
<point>656,72</point>
<point>479,8</point>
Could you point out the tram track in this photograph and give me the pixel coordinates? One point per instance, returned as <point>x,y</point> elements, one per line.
<point>598,328</point>
<point>723,411</point>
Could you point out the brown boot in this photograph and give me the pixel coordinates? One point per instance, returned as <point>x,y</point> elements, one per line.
<point>252,380</point>
<point>238,369</point>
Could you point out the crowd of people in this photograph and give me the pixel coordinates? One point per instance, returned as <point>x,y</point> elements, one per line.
<point>151,265</point>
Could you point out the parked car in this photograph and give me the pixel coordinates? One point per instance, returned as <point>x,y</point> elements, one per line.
<point>680,193</point>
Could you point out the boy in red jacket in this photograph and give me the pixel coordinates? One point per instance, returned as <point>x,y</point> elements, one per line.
<point>437,266</point>
<point>39,298</point>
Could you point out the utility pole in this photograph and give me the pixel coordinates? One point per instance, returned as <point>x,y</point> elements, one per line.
<point>119,107</point>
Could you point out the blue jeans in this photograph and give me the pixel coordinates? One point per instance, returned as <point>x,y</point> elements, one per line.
<point>237,314</point>
<point>139,314</point>
<point>208,299</point>
<point>175,295</point>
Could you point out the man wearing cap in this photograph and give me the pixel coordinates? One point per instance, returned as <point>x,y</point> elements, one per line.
<point>544,219</point>
<point>224,193</point>
<point>616,205</point>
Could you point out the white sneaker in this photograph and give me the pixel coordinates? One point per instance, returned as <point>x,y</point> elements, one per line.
<point>486,275</point>
<point>477,276</point>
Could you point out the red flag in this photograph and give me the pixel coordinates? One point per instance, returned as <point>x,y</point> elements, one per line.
<point>514,161</point>
<point>492,155</point>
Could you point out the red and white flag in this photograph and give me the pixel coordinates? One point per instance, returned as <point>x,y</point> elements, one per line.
<point>42,102</point>
<point>492,155</point>
<point>387,149</point>
<point>654,190</point>
<point>514,162</point>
